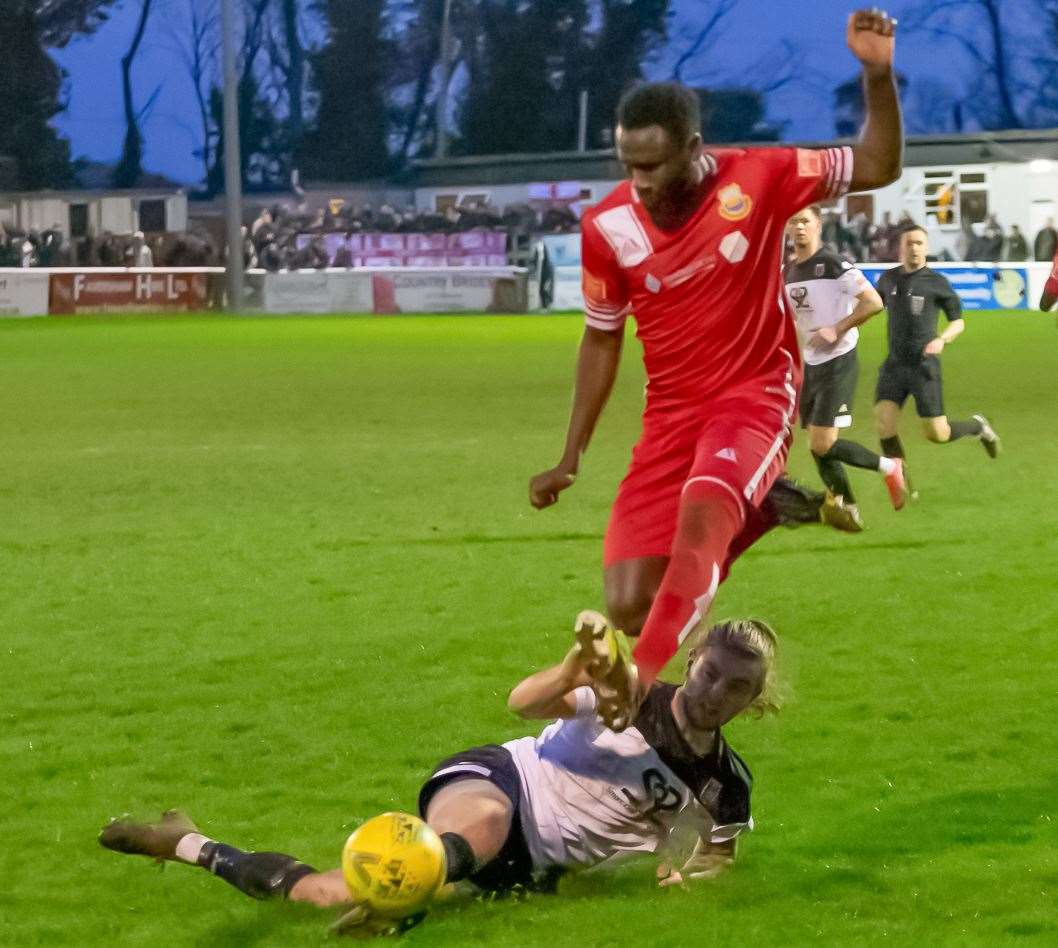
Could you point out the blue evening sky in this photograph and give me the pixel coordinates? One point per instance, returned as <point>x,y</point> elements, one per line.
<point>761,40</point>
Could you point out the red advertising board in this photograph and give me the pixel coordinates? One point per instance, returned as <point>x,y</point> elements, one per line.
<point>110,292</point>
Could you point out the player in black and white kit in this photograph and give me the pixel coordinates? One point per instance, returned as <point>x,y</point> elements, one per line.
<point>524,812</point>
<point>830,299</point>
<point>913,295</point>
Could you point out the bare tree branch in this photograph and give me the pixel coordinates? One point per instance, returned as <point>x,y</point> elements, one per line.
<point>704,36</point>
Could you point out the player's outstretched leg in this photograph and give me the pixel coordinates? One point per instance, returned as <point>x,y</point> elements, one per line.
<point>855,454</point>
<point>988,436</point>
<point>792,504</point>
<point>175,837</point>
<point>942,431</point>
<point>709,521</point>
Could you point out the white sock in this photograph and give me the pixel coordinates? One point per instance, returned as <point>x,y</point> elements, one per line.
<point>190,846</point>
<point>886,466</point>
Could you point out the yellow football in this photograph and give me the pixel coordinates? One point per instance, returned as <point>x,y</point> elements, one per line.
<point>395,863</point>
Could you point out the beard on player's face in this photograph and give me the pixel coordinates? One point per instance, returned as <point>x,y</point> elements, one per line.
<point>662,171</point>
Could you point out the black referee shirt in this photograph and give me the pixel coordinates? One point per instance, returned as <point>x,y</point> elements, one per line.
<point>912,301</point>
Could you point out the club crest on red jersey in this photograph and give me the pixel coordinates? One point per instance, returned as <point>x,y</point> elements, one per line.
<point>734,203</point>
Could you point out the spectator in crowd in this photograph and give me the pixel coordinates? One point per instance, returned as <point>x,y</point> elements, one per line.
<point>860,231</point>
<point>249,251</point>
<point>264,219</point>
<point>1017,245</point>
<point>992,241</point>
<point>882,239</point>
<point>28,252</point>
<point>137,253</point>
<point>964,243</point>
<point>1046,243</point>
<point>343,256</point>
<point>270,257</point>
<point>52,250</point>
<point>831,232</point>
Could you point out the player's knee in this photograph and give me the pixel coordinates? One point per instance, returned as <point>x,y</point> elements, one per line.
<point>495,819</point>
<point>937,431</point>
<point>628,609</point>
<point>821,440</point>
<point>705,507</point>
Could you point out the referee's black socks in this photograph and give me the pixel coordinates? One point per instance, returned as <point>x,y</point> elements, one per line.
<point>960,429</point>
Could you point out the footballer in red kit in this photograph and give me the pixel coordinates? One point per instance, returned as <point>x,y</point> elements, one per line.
<point>690,246</point>
<point>1050,288</point>
<point>721,353</point>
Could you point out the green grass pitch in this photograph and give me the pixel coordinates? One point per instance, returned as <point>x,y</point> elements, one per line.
<point>272,570</point>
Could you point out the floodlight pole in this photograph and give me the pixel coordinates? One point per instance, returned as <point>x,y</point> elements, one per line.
<point>582,121</point>
<point>441,116</point>
<point>232,160</point>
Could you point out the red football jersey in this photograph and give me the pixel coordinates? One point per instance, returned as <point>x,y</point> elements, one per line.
<point>707,298</point>
<point>1051,286</point>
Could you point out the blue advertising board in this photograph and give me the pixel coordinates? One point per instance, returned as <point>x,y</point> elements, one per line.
<point>985,286</point>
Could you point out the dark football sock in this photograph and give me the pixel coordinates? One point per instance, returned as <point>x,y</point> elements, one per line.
<point>960,429</point>
<point>258,875</point>
<point>892,448</point>
<point>459,857</point>
<point>854,453</point>
<point>834,476</point>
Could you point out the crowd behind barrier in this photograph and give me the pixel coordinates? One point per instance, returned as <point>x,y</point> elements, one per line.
<point>478,234</point>
<point>293,238</point>
<point>860,240</point>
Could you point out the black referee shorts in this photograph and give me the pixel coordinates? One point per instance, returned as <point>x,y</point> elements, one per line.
<point>828,391</point>
<point>922,381</point>
<point>513,865</point>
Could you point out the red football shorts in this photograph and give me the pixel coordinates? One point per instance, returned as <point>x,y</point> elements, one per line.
<point>738,441</point>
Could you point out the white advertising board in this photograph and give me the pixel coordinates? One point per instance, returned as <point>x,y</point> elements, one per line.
<point>23,292</point>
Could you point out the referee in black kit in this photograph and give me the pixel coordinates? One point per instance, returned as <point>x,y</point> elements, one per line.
<point>913,294</point>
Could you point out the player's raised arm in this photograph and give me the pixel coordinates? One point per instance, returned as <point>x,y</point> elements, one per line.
<point>547,694</point>
<point>878,156</point>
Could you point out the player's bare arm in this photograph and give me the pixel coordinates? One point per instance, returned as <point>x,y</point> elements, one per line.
<point>547,694</point>
<point>868,304</point>
<point>597,362</point>
<point>878,156</point>
<point>951,331</point>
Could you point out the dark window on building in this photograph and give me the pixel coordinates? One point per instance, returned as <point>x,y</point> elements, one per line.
<point>152,216</point>
<point>974,205</point>
<point>78,220</point>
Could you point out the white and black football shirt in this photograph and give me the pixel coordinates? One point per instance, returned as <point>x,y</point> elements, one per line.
<point>822,292</point>
<point>589,794</point>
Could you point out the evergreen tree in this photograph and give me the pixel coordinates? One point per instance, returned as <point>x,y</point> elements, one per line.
<point>630,31</point>
<point>30,88</point>
<point>350,136</point>
<point>525,77</point>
